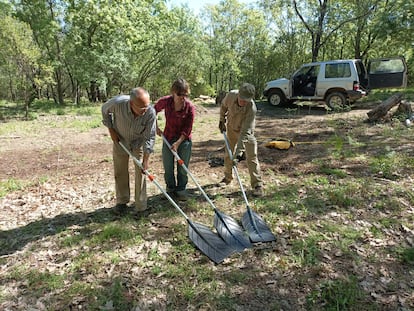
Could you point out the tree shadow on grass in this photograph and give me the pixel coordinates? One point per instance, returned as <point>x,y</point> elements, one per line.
<point>16,239</point>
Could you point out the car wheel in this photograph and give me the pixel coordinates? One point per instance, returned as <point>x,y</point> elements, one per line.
<point>276,98</point>
<point>336,100</point>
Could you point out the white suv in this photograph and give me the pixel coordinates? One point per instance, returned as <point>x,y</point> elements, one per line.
<point>337,82</point>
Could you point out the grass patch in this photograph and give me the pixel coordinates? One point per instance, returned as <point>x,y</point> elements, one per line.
<point>306,251</point>
<point>10,185</point>
<point>340,294</point>
<point>80,118</point>
<point>82,124</point>
<point>383,94</point>
<point>344,194</point>
<point>333,172</point>
<point>13,184</point>
<point>113,232</point>
<point>386,166</point>
<point>406,255</point>
<point>43,282</point>
<point>342,236</point>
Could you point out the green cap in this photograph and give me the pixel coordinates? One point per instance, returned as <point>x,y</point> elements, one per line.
<point>247,91</point>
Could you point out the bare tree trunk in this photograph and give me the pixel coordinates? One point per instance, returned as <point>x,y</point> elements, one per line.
<point>92,92</point>
<point>12,94</point>
<point>59,69</point>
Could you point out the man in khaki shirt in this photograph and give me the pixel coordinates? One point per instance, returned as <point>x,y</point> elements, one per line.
<point>238,119</point>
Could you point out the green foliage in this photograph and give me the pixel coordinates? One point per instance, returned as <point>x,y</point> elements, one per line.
<point>19,59</point>
<point>238,42</point>
<point>383,94</point>
<point>73,49</point>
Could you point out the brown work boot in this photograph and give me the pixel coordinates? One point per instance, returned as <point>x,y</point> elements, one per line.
<point>137,208</point>
<point>138,211</point>
<point>258,191</point>
<point>224,182</point>
<point>120,209</point>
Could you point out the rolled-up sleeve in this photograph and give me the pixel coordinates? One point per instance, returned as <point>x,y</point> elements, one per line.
<point>150,131</point>
<point>107,109</point>
<point>224,107</point>
<point>189,121</point>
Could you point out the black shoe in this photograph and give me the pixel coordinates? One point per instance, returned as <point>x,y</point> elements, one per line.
<point>258,191</point>
<point>181,196</point>
<point>172,194</point>
<point>120,209</point>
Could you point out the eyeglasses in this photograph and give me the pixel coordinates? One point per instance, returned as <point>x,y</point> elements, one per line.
<point>182,94</point>
<point>138,109</point>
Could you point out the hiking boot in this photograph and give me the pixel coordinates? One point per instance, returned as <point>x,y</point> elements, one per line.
<point>258,191</point>
<point>138,212</point>
<point>181,196</point>
<point>224,182</point>
<point>120,209</point>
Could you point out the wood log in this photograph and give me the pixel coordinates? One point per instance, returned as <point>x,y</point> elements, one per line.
<point>382,109</point>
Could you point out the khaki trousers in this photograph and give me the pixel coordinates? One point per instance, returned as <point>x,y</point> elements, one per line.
<point>121,173</point>
<point>251,158</point>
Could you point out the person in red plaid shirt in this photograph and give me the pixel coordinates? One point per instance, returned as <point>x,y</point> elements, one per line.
<point>179,118</point>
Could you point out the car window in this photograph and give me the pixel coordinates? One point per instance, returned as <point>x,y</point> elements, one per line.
<point>337,70</point>
<point>314,71</point>
<point>386,66</point>
<point>302,71</point>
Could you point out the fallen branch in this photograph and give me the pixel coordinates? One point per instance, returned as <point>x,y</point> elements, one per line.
<point>381,111</point>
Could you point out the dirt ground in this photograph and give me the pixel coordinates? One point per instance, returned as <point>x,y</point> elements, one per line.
<point>78,161</point>
<point>70,172</point>
<point>60,151</point>
<point>77,166</point>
